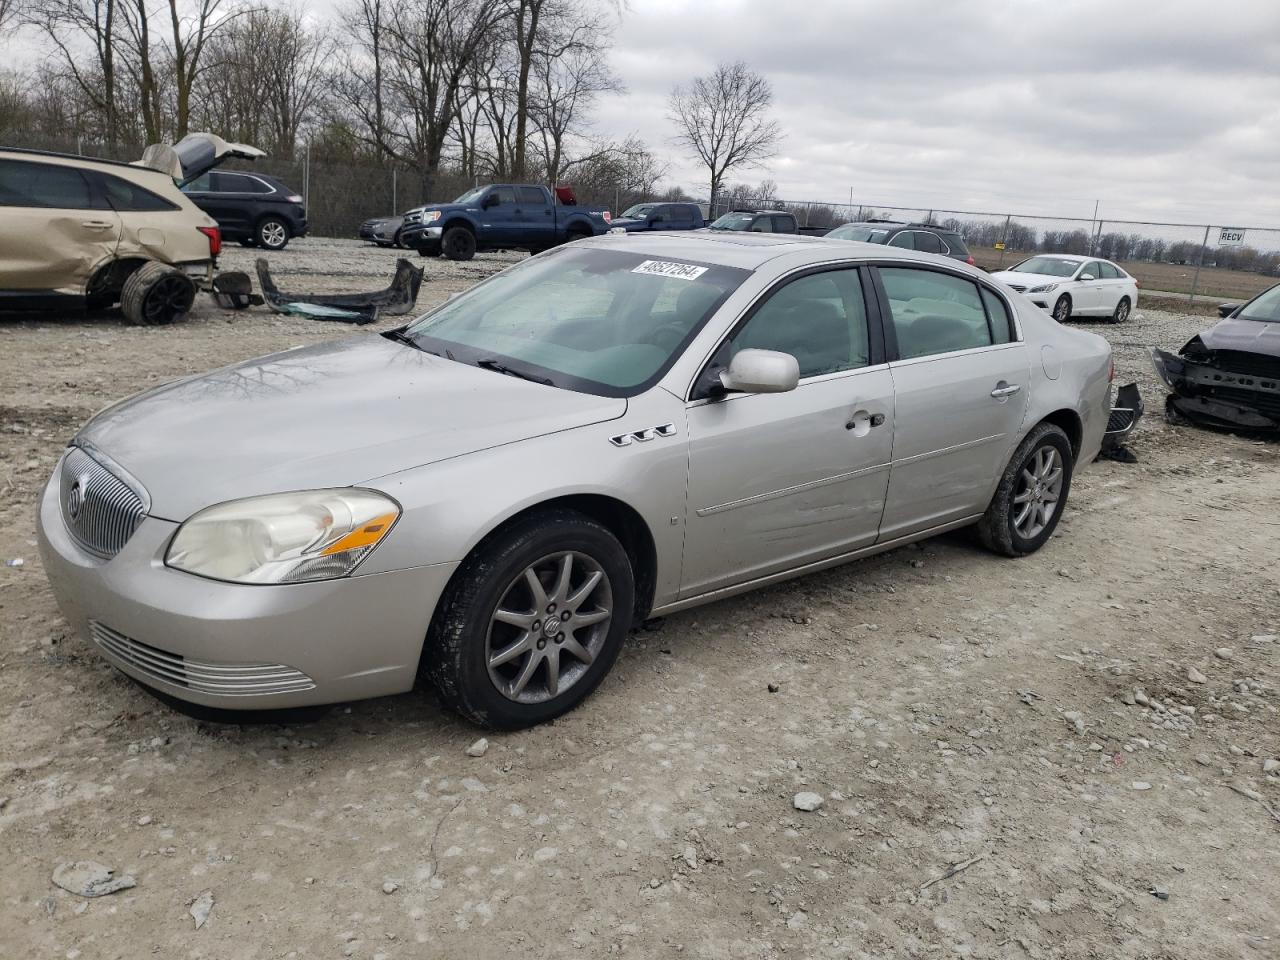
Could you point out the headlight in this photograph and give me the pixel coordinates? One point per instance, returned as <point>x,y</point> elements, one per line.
<point>430,215</point>
<point>1043,288</point>
<point>284,538</point>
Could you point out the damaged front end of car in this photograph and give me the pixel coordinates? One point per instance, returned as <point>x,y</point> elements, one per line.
<point>1227,389</point>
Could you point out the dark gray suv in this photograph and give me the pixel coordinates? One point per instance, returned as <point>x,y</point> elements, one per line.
<point>925,237</point>
<point>253,208</point>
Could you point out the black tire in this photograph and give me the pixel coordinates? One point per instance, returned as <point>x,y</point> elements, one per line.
<point>458,243</point>
<point>455,656</point>
<point>395,241</point>
<point>271,233</point>
<point>997,529</point>
<point>156,294</point>
<point>1062,308</point>
<point>1121,313</point>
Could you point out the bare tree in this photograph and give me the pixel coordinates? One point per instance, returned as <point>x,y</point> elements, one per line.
<point>71,25</point>
<point>567,88</point>
<point>11,13</point>
<point>189,35</point>
<point>723,118</point>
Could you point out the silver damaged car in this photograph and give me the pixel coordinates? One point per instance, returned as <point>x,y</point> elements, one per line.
<point>622,427</point>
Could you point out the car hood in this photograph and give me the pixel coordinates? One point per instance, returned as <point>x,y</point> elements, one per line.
<point>1248,336</point>
<point>1027,280</point>
<point>330,415</point>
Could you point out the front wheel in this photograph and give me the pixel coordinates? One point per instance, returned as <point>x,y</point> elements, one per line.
<point>458,243</point>
<point>273,234</point>
<point>532,621</point>
<point>1121,313</point>
<point>1032,494</point>
<point>1062,309</point>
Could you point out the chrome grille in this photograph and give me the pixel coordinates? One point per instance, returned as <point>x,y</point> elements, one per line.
<point>100,510</point>
<point>224,679</point>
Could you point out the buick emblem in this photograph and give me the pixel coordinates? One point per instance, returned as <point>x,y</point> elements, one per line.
<point>75,499</point>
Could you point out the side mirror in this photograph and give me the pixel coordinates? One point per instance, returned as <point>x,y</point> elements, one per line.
<point>761,371</point>
<point>1085,276</point>
<point>1228,309</point>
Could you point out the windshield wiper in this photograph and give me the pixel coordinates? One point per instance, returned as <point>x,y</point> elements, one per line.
<point>401,337</point>
<point>497,366</point>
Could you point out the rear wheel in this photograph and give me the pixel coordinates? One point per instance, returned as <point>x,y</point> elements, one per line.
<point>272,233</point>
<point>1032,494</point>
<point>156,294</point>
<point>1062,309</point>
<point>532,621</point>
<point>1121,312</point>
<point>458,243</point>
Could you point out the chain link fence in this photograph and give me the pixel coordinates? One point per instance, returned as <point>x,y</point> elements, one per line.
<point>1207,261</point>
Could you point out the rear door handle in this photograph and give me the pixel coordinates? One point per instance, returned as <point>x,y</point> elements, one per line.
<point>1005,390</point>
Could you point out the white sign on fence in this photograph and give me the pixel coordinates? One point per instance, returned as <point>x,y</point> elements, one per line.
<point>1231,237</point>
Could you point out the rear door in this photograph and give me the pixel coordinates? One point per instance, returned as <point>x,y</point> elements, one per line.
<point>55,228</point>
<point>785,223</point>
<point>777,480</point>
<point>960,386</point>
<point>1112,286</point>
<point>535,216</point>
<point>237,197</point>
<point>682,216</point>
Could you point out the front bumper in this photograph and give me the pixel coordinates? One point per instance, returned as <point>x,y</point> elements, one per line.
<point>1207,393</point>
<point>238,646</point>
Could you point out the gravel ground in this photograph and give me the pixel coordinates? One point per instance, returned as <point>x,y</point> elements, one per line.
<point>951,709</point>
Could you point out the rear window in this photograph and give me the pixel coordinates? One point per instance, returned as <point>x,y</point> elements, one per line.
<point>25,184</point>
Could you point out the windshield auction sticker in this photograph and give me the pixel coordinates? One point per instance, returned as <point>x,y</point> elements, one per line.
<point>664,268</point>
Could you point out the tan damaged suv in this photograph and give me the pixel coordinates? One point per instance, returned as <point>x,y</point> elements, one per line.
<point>78,233</point>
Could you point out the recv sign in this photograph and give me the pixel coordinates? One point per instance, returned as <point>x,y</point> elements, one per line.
<point>1231,237</point>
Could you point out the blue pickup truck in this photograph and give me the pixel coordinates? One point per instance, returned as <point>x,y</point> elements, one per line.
<point>644,217</point>
<point>501,216</point>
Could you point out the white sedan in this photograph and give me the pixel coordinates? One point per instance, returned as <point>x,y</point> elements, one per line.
<point>1069,285</point>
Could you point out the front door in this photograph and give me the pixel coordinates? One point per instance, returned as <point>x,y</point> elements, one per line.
<point>778,480</point>
<point>1090,296</point>
<point>498,217</point>
<point>960,386</point>
<point>536,217</point>
<point>55,230</point>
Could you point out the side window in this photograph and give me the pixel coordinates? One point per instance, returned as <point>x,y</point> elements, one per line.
<point>682,214</point>
<point>530,197</point>
<point>1108,271</point>
<point>998,314</point>
<point>231,183</point>
<point>934,312</point>
<point>821,320</point>
<point>49,185</point>
<point>201,184</point>
<point>505,195</point>
<point>784,225</point>
<point>927,242</point>
<point>762,225</point>
<point>259,186</point>
<point>905,239</point>
<point>125,196</point>
<point>1093,267</point>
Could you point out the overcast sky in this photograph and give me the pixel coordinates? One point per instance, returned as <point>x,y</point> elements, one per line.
<point>1160,110</point>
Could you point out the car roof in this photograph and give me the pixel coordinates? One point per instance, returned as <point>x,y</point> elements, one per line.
<point>1071,257</point>
<point>77,158</point>
<point>747,251</point>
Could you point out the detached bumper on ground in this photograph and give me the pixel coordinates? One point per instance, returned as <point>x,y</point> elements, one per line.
<point>236,646</point>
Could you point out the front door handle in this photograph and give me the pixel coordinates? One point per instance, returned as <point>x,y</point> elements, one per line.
<point>1005,390</point>
<point>862,422</point>
<point>96,224</point>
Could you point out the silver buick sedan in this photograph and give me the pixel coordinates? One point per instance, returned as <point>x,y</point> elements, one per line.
<point>616,429</point>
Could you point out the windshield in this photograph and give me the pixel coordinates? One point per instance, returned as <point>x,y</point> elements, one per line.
<point>471,195</point>
<point>1265,307</point>
<point>597,321</point>
<point>1049,266</point>
<point>734,221</point>
<point>855,231</point>
<point>639,211</point>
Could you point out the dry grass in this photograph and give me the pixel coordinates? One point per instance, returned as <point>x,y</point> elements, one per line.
<point>1168,277</point>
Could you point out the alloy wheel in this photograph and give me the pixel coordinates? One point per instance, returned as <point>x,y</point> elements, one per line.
<point>169,297</point>
<point>549,626</point>
<point>1039,492</point>
<point>273,234</point>
<point>1062,310</point>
